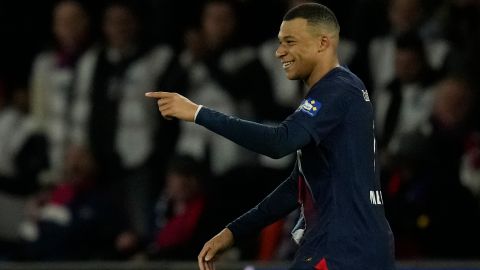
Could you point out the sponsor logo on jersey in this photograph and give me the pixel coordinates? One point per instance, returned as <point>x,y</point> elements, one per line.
<point>310,106</point>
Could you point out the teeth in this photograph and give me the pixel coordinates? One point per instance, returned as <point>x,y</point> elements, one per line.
<point>287,64</point>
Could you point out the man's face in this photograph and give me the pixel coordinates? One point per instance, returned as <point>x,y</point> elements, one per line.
<point>119,26</point>
<point>452,102</point>
<point>407,65</point>
<point>218,24</point>
<point>298,49</point>
<point>70,25</point>
<point>404,15</point>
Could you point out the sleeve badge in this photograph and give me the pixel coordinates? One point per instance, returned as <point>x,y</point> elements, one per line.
<point>310,106</point>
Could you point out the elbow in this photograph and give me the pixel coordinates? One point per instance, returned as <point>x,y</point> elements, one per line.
<point>276,156</point>
<point>278,146</point>
<point>278,153</point>
<point>280,149</point>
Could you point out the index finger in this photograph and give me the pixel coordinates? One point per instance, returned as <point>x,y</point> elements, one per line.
<point>158,94</point>
<point>201,258</point>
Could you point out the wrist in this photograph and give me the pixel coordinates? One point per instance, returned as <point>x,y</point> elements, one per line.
<point>228,236</point>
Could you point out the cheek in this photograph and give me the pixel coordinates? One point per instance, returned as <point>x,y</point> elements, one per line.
<point>304,65</point>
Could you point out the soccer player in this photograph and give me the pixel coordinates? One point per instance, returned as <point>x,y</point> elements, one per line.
<point>334,181</point>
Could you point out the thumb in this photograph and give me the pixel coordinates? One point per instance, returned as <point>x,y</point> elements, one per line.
<point>211,254</point>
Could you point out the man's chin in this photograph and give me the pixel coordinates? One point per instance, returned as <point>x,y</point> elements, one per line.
<point>292,76</point>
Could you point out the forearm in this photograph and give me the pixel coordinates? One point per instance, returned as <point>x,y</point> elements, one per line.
<point>278,204</point>
<point>272,141</point>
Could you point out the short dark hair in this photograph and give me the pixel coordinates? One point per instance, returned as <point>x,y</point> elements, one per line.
<point>314,14</point>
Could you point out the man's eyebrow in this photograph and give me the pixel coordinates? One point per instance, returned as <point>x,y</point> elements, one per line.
<point>285,37</point>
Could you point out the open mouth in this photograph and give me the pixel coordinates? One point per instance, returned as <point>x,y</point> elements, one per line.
<point>287,64</point>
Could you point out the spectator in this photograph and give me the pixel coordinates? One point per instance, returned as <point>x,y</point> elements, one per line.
<point>426,172</point>
<point>76,220</point>
<point>213,61</point>
<point>179,210</point>
<point>24,155</point>
<point>179,213</point>
<point>111,116</point>
<point>461,20</point>
<point>406,103</point>
<point>23,149</point>
<point>404,16</point>
<point>52,80</point>
<point>450,127</point>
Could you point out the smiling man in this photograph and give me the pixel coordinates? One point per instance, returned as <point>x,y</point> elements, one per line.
<point>342,224</point>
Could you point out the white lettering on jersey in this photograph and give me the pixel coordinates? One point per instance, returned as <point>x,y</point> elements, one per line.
<point>365,95</point>
<point>376,197</point>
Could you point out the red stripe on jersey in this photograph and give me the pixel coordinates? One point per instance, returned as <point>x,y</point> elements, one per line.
<point>322,265</point>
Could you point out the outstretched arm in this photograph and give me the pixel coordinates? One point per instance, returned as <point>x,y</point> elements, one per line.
<point>273,141</point>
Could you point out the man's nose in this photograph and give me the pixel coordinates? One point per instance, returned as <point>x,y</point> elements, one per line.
<point>280,52</point>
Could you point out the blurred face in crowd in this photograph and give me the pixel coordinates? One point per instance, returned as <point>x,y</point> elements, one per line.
<point>180,187</point>
<point>408,65</point>
<point>452,102</point>
<point>404,15</point>
<point>70,25</point>
<point>300,49</point>
<point>79,162</point>
<point>218,23</point>
<point>120,26</point>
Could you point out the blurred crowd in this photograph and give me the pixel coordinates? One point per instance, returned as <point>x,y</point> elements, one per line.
<point>89,170</point>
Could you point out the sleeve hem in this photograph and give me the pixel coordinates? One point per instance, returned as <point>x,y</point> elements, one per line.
<point>196,113</point>
<point>234,230</point>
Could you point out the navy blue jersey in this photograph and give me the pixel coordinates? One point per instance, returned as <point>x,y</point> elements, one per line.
<point>334,181</point>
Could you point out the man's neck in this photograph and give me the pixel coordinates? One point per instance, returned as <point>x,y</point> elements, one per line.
<point>321,70</point>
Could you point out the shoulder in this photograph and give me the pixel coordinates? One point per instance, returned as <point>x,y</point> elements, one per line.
<point>45,56</point>
<point>44,59</point>
<point>339,82</point>
<point>90,55</point>
<point>341,87</point>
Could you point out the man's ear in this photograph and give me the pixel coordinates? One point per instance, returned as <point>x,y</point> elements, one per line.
<point>323,42</point>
